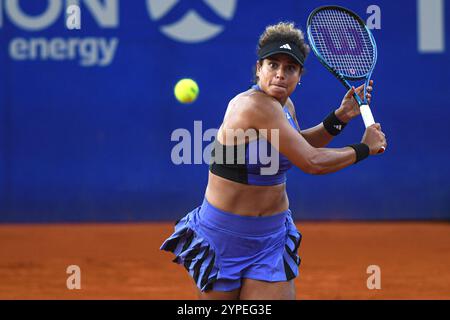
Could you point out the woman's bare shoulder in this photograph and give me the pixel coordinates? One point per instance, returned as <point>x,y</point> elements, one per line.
<point>253,100</point>
<point>251,109</point>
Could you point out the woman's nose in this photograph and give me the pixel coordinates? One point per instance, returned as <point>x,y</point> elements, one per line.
<point>280,73</point>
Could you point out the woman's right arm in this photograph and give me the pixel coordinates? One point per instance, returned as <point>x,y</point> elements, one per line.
<point>262,112</point>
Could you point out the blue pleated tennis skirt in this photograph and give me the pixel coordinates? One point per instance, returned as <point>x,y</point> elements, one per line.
<point>219,248</point>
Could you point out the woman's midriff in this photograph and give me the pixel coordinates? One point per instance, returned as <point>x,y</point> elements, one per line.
<point>246,200</point>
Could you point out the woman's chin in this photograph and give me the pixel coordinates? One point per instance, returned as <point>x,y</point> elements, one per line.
<point>278,92</point>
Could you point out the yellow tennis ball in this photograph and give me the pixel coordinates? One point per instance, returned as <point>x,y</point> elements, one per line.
<point>186,90</point>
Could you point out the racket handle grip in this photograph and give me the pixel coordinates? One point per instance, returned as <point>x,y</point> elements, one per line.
<point>367,116</point>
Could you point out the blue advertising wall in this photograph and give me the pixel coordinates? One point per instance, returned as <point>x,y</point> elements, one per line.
<point>86,116</point>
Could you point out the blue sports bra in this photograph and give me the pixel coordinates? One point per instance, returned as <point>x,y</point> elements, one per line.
<point>248,170</point>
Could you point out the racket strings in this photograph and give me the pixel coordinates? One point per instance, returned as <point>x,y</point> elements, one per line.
<point>343,42</point>
<point>339,38</point>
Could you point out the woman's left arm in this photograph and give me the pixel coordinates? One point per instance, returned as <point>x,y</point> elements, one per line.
<point>318,136</point>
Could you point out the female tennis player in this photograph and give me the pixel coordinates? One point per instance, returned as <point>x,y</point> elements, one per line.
<point>241,243</point>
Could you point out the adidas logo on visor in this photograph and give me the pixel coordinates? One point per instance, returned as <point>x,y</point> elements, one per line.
<point>286,46</point>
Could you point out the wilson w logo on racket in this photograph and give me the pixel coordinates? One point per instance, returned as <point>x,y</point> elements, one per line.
<point>346,47</point>
<point>345,42</point>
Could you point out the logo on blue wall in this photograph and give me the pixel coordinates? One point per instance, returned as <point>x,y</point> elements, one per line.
<point>191,27</point>
<point>179,20</point>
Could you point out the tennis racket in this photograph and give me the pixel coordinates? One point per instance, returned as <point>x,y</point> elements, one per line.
<point>346,47</point>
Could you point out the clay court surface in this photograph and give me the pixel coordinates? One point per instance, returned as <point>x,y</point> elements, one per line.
<point>123,261</point>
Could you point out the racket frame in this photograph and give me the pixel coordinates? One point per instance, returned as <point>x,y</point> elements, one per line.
<point>344,79</point>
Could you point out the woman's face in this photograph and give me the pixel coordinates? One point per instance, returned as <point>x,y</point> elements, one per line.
<point>278,76</point>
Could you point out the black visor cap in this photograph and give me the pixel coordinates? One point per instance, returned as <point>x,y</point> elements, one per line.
<point>282,47</point>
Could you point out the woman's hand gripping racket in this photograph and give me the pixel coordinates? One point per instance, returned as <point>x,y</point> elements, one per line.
<point>346,47</point>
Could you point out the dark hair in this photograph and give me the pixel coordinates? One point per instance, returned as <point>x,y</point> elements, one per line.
<point>284,32</point>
